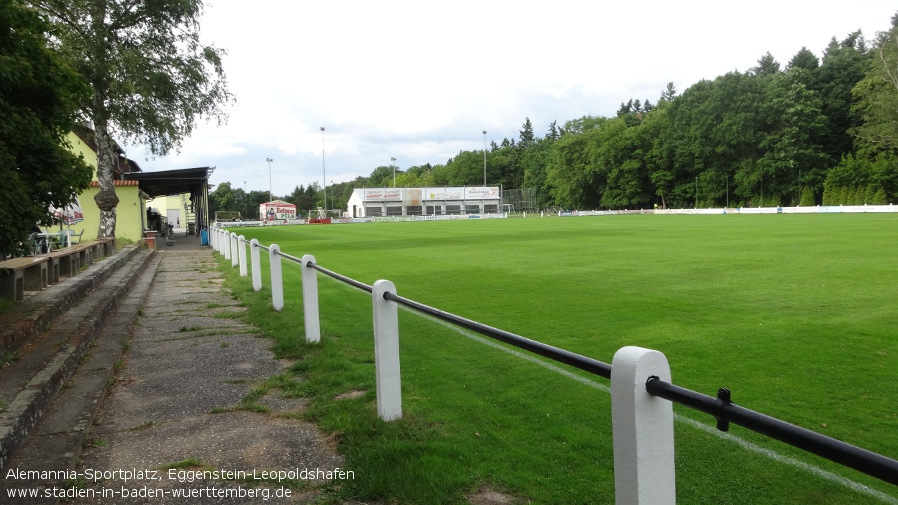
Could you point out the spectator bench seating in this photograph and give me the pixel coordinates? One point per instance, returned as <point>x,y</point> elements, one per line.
<point>34,273</point>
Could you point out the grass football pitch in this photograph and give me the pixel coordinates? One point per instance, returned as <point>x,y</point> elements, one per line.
<point>796,314</point>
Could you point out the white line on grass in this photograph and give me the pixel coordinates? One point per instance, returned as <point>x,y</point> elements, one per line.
<point>832,477</point>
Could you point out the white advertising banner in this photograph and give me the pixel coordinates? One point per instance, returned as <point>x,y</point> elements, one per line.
<point>481,193</point>
<point>273,211</point>
<point>418,196</point>
<point>374,194</point>
<point>445,193</point>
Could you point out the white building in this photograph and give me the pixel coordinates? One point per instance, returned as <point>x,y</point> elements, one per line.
<point>377,202</point>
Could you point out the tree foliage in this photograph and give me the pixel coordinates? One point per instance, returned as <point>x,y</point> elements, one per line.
<point>39,96</point>
<point>151,77</point>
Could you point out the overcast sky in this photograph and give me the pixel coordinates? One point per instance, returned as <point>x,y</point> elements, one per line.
<point>418,81</point>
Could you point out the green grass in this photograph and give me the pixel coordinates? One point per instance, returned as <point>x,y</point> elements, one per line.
<point>795,314</point>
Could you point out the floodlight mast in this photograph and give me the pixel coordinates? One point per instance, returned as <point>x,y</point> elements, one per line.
<point>323,171</point>
<point>484,158</point>
<point>269,160</point>
<point>393,166</point>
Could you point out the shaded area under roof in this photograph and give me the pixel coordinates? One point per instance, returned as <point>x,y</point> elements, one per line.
<point>193,181</point>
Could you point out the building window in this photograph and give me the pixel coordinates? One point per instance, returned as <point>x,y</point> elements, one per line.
<point>432,210</point>
<point>413,210</point>
<point>394,211</point>
<point>472,209</point>
<point>491,208</point>
<point>453,209</point>
<point>373,211</point>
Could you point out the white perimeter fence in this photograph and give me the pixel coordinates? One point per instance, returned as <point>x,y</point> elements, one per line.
<point>641,391</point>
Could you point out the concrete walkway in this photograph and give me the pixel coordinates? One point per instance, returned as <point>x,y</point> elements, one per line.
<point>189,365</point>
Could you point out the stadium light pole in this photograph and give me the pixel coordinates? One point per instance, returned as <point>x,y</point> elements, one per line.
<point>761,203</point>
<point>245,201</point>
<point>393,166</point>
<point>269,160</point>
<point>696,192</point>
<point>484,158</point>
<point>323,171</point>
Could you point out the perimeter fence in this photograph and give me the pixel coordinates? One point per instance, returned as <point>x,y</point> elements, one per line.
<point>642,394</point>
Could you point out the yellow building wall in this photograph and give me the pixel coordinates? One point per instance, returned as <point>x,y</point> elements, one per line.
<point>130,213</point>
<point>163,204</point>
<point>79,147</point>
<point>129,217</point>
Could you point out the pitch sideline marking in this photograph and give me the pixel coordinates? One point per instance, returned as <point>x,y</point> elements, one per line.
<point>745,444</point>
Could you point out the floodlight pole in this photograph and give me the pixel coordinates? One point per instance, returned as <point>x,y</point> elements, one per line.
<point>484,158</point>
<point>393,166</point>
<point>269,160</point>
<point>323,171</point>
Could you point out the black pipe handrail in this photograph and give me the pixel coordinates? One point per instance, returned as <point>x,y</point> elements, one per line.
<point>554,353</point>
<point>862,460</point>
<point>289,257</point>
<point>339,277</point>
<point>723,409</point>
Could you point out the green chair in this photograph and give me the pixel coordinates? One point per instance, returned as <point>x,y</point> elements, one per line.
<point>61,239</point>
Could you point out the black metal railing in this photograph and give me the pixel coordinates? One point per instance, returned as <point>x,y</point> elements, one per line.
<point>554,353</point>
<point>341,278</point>
<point>726,412</point>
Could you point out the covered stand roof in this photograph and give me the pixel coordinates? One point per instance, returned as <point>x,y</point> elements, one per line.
<point>173,182</point>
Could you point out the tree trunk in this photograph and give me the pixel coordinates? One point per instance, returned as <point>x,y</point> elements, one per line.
<point>106,199</point>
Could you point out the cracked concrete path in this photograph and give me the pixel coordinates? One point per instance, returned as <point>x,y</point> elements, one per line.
<point>173,406</point>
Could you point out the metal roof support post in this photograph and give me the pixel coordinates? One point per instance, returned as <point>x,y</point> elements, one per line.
<point>642,430</point>
<point>386,352</point>
<point>310,300</point>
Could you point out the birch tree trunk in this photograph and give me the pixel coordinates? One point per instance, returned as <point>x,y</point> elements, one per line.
<point>106,198</point>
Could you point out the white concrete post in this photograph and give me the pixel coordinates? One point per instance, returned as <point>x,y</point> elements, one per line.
<point>241,244</point>
<point>310,300</point>
<point>219,241</point>
<point>234,250</point>
<point>257,267</point>
<point>277,281</point>
<point>642,430</point>
<point>212,233</point>
<point>386,352</point>
<point>226,245</point>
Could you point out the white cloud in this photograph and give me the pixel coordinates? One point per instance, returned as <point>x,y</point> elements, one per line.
<point>418,81</point>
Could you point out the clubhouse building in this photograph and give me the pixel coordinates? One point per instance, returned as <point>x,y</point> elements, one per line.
<point>426,201</point>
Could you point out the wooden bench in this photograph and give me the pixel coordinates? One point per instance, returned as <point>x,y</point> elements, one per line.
<point>63,262</point>
<point>18,275</point>
<point>67,261</point>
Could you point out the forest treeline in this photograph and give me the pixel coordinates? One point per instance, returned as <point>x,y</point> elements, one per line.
<point>813,131</point>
